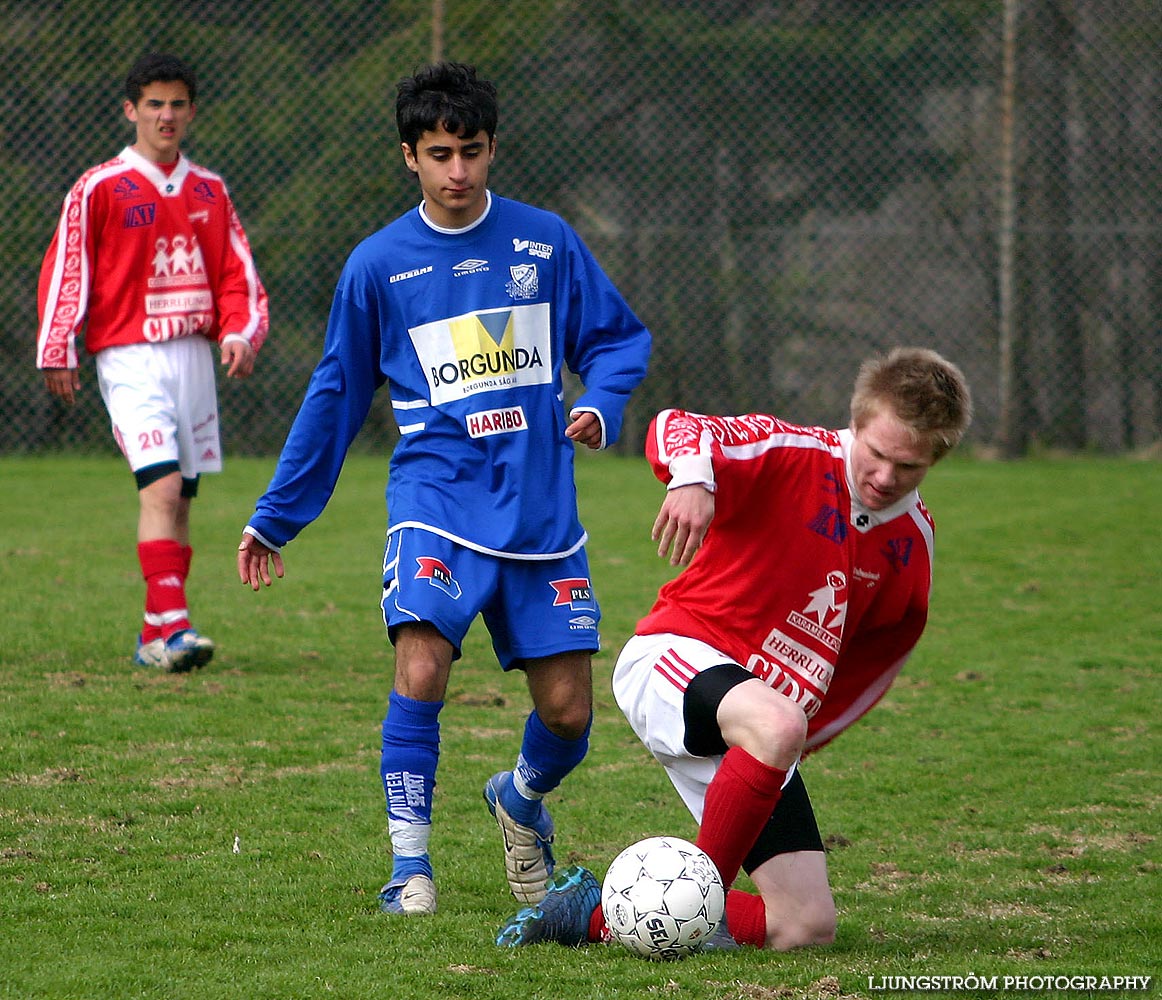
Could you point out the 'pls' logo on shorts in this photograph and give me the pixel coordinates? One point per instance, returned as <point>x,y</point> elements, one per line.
<point>577,593</point>
<point>438,575</point>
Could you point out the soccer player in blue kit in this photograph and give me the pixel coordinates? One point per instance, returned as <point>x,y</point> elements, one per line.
<point>468,307</point>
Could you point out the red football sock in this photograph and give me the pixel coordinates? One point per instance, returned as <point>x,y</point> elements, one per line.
<point>598,929</point>
<point>746,917</point>
<point>739,800</point>
<point>164,564</point>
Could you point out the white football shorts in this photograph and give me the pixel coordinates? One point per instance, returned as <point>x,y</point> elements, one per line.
<point>649,685</point>
<point>163,403</point>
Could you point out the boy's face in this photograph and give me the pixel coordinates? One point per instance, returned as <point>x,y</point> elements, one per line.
<point>886,462</point>
<point>162,116</point>
<point>453,173</point>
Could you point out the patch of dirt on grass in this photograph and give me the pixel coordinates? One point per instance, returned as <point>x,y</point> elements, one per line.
<point>1076,843</point>
<point>47,778</point>
<point>886,877</point>
<point>826,988</point>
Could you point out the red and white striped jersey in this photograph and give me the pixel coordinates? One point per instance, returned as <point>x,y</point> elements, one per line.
<point>142,256</point>
<point>798,581</point>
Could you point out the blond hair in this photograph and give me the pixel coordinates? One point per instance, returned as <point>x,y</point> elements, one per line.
<point>925,392</point>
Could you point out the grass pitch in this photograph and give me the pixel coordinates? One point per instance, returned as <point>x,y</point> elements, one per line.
<point>221,834</point>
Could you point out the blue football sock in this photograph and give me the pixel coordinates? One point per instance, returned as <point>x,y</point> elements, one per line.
<point>404,867</point>
<point>407,768</point>
<point>545,760</point>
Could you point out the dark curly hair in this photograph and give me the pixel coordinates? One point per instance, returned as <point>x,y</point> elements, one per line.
<point>447,94</point>
<point>159,67</point>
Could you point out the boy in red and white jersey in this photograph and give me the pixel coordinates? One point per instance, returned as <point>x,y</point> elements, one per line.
<point>150,265</point>
<point>808,556</point>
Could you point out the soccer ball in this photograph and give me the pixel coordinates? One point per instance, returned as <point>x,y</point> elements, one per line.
<point>662,898</point>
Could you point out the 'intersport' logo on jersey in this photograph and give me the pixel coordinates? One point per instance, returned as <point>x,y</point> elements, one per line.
<point>482,351</point>
<point>542,250</point>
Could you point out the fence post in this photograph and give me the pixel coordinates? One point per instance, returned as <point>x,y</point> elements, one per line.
<point>1007,430</point>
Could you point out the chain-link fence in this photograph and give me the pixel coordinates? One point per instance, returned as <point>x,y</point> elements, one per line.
<point>779,188</point>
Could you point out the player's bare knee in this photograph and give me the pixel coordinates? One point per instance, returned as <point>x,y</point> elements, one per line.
<point>423,659</point>
<point>767,725</point>
<point>162,497</point>
<point>562,690</point>
<point>567,719</point>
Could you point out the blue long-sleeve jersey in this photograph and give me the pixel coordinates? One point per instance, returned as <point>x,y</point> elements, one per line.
<point>470,330</point>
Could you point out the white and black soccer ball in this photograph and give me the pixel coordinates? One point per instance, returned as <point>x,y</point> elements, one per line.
<point>662,898</point>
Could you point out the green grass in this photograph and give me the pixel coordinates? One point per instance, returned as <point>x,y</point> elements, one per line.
<point>996,815</point>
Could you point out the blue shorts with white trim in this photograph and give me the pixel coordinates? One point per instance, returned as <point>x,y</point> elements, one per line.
<point>531,607</point>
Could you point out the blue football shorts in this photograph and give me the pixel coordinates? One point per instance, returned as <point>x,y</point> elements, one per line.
<point>531,607</point>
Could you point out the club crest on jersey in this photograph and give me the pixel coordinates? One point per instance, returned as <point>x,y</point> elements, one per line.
<point>575,593</point>
<point>524,283</point>
<point>438,575</point>
<point>204,192</point>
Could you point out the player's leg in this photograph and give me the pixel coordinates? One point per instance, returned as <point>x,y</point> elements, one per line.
<point>555,741</point>
<point>794,907</point>
<point>165,555</point>
<point>188,398</point>
<point>798,909</point>
<point>189,365</point>
<point>760,734</point>
<point>408,762</point>
<point>137,405</point>
<point>162,400</point>
<point>649,681</point>
<point>163,506</point>
<point>427,612</point>
<point>561,688</point>
<point>544,620</point>
<point>182,526</point>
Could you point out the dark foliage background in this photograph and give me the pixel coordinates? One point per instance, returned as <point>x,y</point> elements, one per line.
<point>779,188</point>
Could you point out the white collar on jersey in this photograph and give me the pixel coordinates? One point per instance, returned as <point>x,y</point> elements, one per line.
<point>863,518</point>
<point>170,183</point>
<point>468,228</point>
